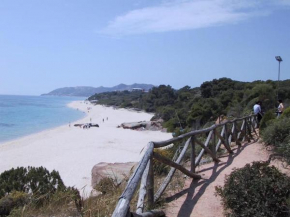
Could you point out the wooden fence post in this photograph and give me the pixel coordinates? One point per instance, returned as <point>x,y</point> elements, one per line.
<point>226,137</point>
<point>246,131</point>
<point>235,134</point>
<point>150,184</point>
<point>193,156</point>
<point>213,149</point>
<point>143,190</point>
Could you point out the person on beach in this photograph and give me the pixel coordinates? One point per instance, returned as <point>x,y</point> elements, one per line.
<point>280,108</point>
<point>103,120</point>
<point>258,111</point>
<point>107,118</point>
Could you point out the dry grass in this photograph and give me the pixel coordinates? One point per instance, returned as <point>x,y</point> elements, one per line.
<point>71,204</point>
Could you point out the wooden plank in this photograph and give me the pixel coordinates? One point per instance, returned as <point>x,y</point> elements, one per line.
<point>171,172</point>
<point>207,150</point>
<point>226,139</point>
<point>198,159</point>
<point>223,142</point>
<point>218,143</point>
<point>167,161</point>
<point>143,190</point>
<point>230,135</point>
<point>124,200</point>
<point>235,134</point>
<point>213,142</point>
<point>192,156</point>
<point>150,183</point>
<point>241,130</point>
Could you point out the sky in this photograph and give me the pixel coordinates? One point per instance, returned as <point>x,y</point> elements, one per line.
<point>49,44</point>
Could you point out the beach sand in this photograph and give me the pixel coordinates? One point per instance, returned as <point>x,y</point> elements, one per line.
<point>73,151</point>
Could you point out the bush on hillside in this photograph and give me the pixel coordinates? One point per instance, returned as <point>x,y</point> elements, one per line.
<point>61,204</point>
<point>161,168</point>
<point>286,113</point>
<point>276,132</point>
<point>266,120</point>
<point>283,149</point>
<point>10,201</point>
<point>35,180</point>
<point>34,185</point>
<point>107,185</point>
<point>256,190</point>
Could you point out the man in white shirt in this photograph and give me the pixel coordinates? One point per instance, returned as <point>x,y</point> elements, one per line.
<point>258,111</point>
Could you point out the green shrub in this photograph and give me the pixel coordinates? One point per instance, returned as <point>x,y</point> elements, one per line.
<point>170,125</point>
<point>283,149</point>
<point>61,204</point>
<point>161,168</point>
<point>256,190</point>
<point>35,180</point>
<point>286,113</point>
<point>11,201</point>
<point>266,120</point>
<point>276,132</point>
<point>106,185</point>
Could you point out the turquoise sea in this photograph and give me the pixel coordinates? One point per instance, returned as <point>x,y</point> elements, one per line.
<point>24,115</point>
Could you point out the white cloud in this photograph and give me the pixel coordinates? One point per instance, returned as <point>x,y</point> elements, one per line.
<point>183,15</point>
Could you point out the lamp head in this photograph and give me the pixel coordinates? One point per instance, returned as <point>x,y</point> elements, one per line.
<point>278,58</point>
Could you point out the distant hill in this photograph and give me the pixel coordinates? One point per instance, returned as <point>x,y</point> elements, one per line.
<point>89,91</point>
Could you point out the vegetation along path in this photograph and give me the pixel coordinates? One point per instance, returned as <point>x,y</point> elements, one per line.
<point>198,197</point>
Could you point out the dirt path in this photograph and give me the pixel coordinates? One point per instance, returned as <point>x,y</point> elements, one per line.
<point>198,199</point>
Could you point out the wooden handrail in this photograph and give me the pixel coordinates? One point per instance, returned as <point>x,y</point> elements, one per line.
<point>144,170</point>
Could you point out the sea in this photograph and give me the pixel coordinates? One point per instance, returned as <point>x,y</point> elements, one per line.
<point>24,115</point>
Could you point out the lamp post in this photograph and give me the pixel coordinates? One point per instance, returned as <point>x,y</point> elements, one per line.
<point>279,59</point>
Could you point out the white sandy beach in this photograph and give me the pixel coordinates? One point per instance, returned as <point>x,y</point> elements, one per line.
<point>74,151</point>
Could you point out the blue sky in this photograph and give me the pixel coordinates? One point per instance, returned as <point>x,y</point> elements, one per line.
<point>48,44</point>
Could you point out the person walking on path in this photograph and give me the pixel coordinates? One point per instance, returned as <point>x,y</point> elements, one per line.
<point>280,108</point>
<point>258,111</point>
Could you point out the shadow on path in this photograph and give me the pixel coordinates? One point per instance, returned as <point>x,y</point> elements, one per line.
<point>193,195</point>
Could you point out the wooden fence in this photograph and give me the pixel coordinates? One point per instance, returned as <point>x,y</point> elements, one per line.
<point>237,131</point>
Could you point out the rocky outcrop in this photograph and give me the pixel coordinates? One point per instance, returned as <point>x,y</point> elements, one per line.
<point>117,171</point>
<point>143,125</point>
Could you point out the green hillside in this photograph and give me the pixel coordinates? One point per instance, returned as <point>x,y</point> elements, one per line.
<point>192,108</point>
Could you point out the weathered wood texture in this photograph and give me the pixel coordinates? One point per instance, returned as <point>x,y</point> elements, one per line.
<point>124,201</point>
<point>150,184</point>
<point>143,190</point>
<point>171,172</point>
<point>237,130</point>
<point>192,155</point>
<point>175,165</point>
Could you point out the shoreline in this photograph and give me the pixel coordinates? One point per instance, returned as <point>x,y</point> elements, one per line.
<point>68,105</point>
<point>73,151</point>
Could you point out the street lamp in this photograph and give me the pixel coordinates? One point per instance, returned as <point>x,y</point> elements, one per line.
<point>279,59</point>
